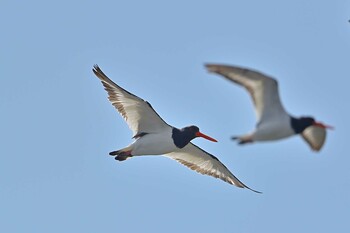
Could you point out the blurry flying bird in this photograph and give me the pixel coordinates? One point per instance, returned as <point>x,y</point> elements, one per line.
<point>273,122</point>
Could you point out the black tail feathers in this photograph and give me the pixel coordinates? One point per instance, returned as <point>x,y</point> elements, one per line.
<point>121,155</point>
<point>113,153</point>
<point>242,140</point>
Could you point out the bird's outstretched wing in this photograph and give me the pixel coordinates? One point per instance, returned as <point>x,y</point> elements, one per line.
<point>201,161</point>
<point>138,113</point>
<point>314,136</point>
<point>263,89</point>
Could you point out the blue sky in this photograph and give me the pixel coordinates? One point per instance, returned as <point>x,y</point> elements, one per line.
<point>57,125</point>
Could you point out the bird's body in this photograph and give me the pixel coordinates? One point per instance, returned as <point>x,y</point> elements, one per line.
<point>159,143</point>
<point>273,129</point>
<point>273,121</point>
<point>153,144</point>
<point>153,136</point>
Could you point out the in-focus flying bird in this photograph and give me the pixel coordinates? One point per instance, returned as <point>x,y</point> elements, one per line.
<point>153,136</point>
<point>273,122</point>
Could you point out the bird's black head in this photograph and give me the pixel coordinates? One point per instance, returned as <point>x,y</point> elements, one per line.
<point>182,137</point>
<point>191,129</point>
<point>300,124</point>
<point>307,121</point>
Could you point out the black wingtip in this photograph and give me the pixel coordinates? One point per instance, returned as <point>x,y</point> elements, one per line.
<point>254,190</point>
<point>210,67</point>
<point>96,69</point>
<point>245,186</point>
<point>99,73</point>
<point>113,153</point>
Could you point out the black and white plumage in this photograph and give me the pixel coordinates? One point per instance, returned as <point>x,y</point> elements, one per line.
<point>153,136</point>
<point>273,122</point>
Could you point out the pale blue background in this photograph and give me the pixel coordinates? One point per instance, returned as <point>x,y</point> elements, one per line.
<point>57,125</point>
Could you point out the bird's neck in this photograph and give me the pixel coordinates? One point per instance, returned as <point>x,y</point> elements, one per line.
<point>181,138</point>
<point>298,125</point>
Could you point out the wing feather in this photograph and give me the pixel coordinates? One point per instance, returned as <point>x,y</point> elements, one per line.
<point>314,136</point>
<point>138,113</point>
<point>202,162</point>
<point>263,89</point>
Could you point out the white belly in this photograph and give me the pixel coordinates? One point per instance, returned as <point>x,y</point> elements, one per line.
<point>153,144</point>
<point>273,131</point>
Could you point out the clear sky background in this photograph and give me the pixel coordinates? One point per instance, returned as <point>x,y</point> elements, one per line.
<point>57,126</point>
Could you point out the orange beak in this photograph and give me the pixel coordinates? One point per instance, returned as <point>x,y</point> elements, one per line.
<point>199,134</point>
<point>321,125</point>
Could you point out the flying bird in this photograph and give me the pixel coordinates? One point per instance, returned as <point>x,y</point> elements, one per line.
<point>153,136</point>
<point>273,122</point>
